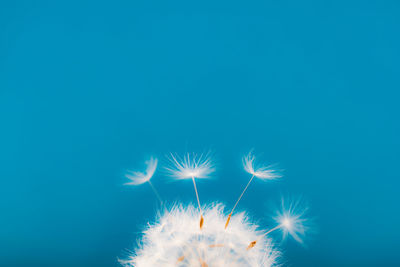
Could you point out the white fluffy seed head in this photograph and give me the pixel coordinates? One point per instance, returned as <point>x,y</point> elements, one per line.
<point>261,171</point>
<point>142,177</point>
<point>176,239</point>
<point>191,165</point>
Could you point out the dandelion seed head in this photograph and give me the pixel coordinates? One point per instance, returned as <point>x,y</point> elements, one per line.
<point>191,165</point>
<point>176,240</point>
<point>142,177</point>
<point>205,236</point>
<point>261,171</point>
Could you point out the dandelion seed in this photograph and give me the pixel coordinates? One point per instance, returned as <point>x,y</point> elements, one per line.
<point>138,178</point>
<point>262,172</point>
<point>181,258</point>
<point>191,167</point>
<point>216,245</point>
<point>290,221</point>
<point>201,221</point>
<point>252,244</point>
<point>203,263</point>
<point>142,177</point>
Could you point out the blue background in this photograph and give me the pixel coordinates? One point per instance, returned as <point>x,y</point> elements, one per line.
<point>89,89</point>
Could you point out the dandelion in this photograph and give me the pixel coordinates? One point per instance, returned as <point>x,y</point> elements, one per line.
<point>262,172</point>
<point>191,167</point>
<point>175,240</point>
<point>138,178</point>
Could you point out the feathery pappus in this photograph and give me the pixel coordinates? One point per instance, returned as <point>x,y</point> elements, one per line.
<point>190,165</point>
<point>263,172</point>
<point>292,217</point>
<point>137,177</point>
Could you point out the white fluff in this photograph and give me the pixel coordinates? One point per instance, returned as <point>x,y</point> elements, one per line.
<point>262,171</point>
<point>292,219</point>
<point>175,239</point>
<point>191,166</point>
<point>142,177</point>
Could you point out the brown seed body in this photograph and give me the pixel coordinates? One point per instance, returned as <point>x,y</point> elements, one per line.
<point>201,221</point>
<point>216,246</point>
<point>228,220</point>
<point>203,263</point>
<point>252,244</point>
